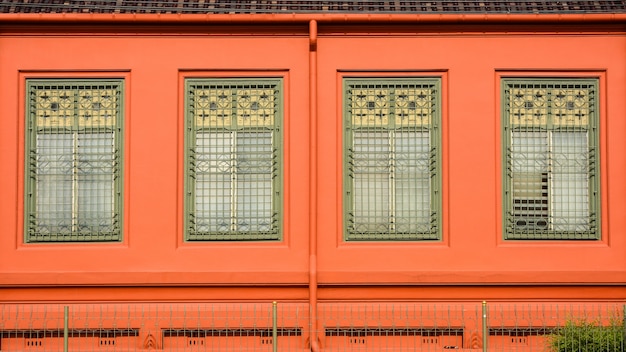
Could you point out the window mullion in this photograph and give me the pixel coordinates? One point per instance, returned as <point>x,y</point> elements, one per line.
<point>74,168</point>
<point>392,177</point>
<point>550,161</point>
<point>114,169</point>
<point>550,172</point>
<point>74,171</point>
<point>233,178</point>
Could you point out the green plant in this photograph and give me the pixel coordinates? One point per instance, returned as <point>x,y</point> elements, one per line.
<point>583,336</point>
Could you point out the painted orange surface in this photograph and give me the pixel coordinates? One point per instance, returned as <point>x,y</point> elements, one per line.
<point>152,251</point>
<point>472,249</point>
<point>470,60</point>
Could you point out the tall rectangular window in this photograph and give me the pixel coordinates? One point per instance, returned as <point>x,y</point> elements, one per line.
<point>392,163</point>
<point>551,187</point>
<point>73,162</point>
<point>233,154</point>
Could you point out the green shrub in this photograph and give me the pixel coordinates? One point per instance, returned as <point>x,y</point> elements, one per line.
<point>588,337</point>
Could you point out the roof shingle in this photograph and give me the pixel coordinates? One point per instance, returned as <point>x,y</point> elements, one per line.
<point>313,6</point>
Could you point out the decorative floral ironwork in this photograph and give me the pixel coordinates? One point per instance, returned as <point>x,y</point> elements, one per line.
<point>54,108</point>
<point>97,108</point>
<point>93,107</point>
<point>255,107</point>
<point>414,107</point>
<point>528,107</point>
<point>213,107</point>
<point>409,106</point>
<point>216,107</point>
<point>549,105</point>
<point>370,107</point>
<point>570,107</point>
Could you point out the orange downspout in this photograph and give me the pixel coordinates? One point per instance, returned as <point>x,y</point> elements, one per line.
<point>313,184</point>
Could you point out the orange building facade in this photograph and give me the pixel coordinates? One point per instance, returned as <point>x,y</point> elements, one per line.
<point>470,56</point>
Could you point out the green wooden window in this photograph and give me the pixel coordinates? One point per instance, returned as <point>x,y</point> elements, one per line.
<point>233,159</point>
<point>73,162</point>
<point>392,173</point>
<point>551,173</point>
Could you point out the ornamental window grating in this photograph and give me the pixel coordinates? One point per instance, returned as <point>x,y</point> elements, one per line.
<point>233,153</point>
<point>551,158</point>
<point>391,159</point>
<point>73,160</point>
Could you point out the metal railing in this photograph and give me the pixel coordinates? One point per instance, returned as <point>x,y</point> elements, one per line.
<point>340,326</point>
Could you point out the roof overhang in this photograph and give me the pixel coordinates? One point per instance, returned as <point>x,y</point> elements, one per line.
<point>345,18</point>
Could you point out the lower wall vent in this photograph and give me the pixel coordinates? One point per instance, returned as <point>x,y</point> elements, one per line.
<point>518,337</point>
<point>374,338</point>
<point>226,338</point>
<point>78,339</point>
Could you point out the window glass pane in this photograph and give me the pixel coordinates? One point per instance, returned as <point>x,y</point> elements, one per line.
<point>74,182</point>
<point>233,155</point>
<point>254,181</point>
<point>371,181</point>
<point>391,159</point>
<point>54,183</point>
<point>529,152</point>
<point>570,181</point>
<point>529,158</point>
<point>412,181</point>
<point>213,187</point>
<point>551,168</point>
<point>95,179</point>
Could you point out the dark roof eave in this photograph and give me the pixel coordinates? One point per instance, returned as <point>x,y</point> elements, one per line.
<point>379,18</point>
<point>314,6</point>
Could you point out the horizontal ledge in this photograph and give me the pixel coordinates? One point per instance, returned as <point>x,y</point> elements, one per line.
<point>300,278</point>
<point>305,18</point>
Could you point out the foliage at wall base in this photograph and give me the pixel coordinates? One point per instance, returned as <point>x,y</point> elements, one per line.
<point>585,336</point>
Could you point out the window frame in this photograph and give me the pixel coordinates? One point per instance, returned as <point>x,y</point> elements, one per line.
<point>276,207</point>
<point>79,125</point>
<point>434,129</point>
<point>593,139</point>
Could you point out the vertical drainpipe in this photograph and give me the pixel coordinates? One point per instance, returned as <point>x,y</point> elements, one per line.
<point>313,184</point>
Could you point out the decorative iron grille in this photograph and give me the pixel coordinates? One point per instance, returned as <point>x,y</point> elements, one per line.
<point>551,143</point>
<point>391,156</point>
<point>290,326</point>
<point>73,162</point>
<point>233,159</point>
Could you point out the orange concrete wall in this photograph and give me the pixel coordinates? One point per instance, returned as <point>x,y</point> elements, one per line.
<point>154,68</point>
<point>154,62</point>
<point>471,67</point>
